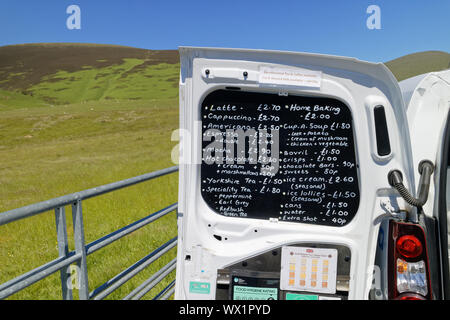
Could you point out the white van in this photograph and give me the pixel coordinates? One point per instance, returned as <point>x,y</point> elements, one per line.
<point>298,179</point>
<point>427,99</point>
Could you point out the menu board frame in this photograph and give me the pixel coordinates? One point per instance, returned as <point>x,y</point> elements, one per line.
<point>317,219</point>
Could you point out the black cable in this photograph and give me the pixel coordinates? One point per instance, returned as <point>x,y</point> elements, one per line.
<point>395,179</point>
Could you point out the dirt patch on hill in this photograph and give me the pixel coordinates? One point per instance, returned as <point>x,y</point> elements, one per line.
<point>22,66</point>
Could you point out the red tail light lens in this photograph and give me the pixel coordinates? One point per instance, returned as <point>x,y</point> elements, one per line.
<point>408,266</point>
<point>409,246</point>
<point>410,297</point>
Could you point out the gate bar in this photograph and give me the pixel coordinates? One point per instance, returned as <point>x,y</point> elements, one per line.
<point>145,287</point>
<point>80,248</point>
<point>169,293</point>
<point>166,290</point>
<point>108,239</point>
<point>63,249</point>
<point>35,275</point>
<point>79,255</point>
<point>33,209</point>
<point>131,271</point>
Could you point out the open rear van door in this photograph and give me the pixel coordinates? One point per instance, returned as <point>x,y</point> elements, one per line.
<point>283,183</point>
<point>427,99</point>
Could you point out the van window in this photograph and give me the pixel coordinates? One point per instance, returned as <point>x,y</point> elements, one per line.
<point>290,158</point>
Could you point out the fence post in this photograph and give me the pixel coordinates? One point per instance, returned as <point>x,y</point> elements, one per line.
<point>63,249</point>
<point>78,232</point>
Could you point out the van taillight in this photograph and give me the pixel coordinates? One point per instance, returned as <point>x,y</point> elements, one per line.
<point>409,246</point>
<point>410,296</point>
<point>409,277</point>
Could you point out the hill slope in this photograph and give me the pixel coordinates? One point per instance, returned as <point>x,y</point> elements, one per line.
<point>70,73</point>
<point>418,63</point>
<point>34,75</point>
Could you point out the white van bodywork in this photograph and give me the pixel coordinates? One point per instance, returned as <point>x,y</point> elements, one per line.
<point>212,244</point>
<point>427,99</point>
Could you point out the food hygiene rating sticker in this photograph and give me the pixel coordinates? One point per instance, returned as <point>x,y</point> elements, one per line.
<point>254,293</point>
<point>308,269</point>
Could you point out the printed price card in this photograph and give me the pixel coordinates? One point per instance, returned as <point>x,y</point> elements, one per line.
<point>308,269</point>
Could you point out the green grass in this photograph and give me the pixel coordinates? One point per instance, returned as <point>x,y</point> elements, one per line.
<point>12,100</point>
<point>113,82</point>
<point>50,151</point>
<point>419,63</point>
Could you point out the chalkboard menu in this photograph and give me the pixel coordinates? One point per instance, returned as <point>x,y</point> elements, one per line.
<point>290,158</point>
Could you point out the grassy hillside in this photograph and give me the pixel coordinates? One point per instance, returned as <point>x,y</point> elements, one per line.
<point>74,117</point>
<point>419,63</point>
<point>55,74</point>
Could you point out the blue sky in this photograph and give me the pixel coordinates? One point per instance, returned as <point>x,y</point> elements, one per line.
<point>319,26</point>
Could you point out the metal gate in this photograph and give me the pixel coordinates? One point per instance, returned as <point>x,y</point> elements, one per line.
<point>82,250</point>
